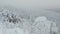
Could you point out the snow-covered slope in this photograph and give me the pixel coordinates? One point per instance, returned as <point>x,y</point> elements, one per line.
<point>19,21</point>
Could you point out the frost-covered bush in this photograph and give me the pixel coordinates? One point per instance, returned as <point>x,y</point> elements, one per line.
<point>13,19</point>
<point>9,16</point>
<point>10,20</point>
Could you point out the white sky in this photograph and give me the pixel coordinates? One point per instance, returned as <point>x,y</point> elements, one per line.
<point>26,4</point>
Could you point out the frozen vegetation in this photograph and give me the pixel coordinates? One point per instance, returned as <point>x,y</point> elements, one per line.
<point>13,22</point>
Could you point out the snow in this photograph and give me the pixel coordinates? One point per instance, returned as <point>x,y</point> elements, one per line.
<point>44,26</point>
<point>7,27</point>
<point>5,30</point>
<point>41,24</point>
<point>42,18</point>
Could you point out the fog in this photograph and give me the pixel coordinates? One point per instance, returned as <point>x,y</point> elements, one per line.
<point>48,8</point>
<point>26,4</point>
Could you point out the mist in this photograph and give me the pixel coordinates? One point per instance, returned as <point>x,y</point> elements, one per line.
<point>26,4</point>
<point>33,8</point>
<point>49,8</point>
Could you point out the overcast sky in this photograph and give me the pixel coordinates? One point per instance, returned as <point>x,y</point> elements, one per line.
<point>44,4</point>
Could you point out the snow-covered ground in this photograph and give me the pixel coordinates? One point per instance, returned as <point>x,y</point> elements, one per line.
<point>24,20</point>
